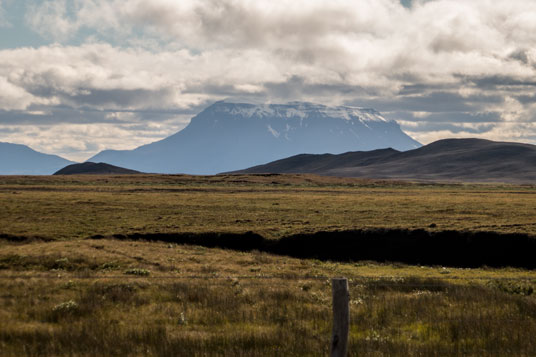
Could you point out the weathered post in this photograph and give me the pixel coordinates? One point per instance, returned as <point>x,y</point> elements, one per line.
<point>341,317</point>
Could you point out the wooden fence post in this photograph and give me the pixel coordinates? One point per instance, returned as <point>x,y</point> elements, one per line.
<point>341,317</point>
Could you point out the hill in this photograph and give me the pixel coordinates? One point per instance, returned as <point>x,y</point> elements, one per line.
<point>443,160</point>
<point>231,136</point>
<point>16,159</point>
<point>91,168</point>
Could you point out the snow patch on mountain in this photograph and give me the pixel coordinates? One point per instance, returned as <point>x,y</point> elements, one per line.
<point>275,133</point>
<point>300,110</point>
<point>231,136</point>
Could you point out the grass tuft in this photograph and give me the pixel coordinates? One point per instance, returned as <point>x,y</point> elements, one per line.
<point>138,271</point>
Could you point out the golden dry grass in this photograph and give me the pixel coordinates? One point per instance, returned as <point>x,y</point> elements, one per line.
<point>75,296</point>
<point>273,206</point>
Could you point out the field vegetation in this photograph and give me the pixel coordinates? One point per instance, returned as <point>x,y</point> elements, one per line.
<point>63,292</point>
<point>273,206</point>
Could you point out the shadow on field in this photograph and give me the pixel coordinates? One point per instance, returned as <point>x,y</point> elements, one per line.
<point>23,239</point>
<point>446,248</point>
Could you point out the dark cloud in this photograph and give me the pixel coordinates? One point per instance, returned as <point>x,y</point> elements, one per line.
<point>297,87</point>
<point>422,88</point>
<point>52,115</point>
<point>451,117</point>
<point>117,98</point>
<point>495,81</point>
<point>521,56</point>
<point>434,102</point>
<point>216,89</point>
<point>39,115</point>
<point>526,99</point>
<point>453,128</point>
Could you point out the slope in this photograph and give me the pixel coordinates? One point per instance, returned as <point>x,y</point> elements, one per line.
<point>230,136</point>
<point>16,159</point>
<point>448,159</point>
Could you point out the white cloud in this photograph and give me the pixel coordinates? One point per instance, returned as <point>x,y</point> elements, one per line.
<point>366,43</point>
<point>78,142</point>
<point>174,55</point>
<point>102,76</point>
<point>517,132</point>
<point>14,97</point>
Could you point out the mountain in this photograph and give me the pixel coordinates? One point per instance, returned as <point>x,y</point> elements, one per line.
<point>229,136</point>
<point>18,159</point>
<point>91,168</point>
<point>473,160</point>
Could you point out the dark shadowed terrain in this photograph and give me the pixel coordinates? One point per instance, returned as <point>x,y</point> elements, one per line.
<point>444,160</point>
<point>92,168</point>
<point>448,248</point>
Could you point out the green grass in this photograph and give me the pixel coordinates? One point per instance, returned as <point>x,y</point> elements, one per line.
<point>74,296</point>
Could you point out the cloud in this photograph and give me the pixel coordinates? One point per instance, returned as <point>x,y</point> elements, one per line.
<point>100,76</point>
<point>370,43</point>
<point>515,132</point>
<point>50,19</point>
<point>78,142</point>
<point>444,65</point>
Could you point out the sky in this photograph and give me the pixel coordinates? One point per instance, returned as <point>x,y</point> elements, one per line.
<point>80,76</point>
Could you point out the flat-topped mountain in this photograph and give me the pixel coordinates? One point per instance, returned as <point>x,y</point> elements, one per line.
<point>473,160</point>
<point>16,159</point>
<point>92,168</point>
<point>231,136</point>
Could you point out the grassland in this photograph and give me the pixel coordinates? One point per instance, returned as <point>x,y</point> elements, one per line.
<point>116,298</point>
<point>67,294</point>
<point>273,206</point>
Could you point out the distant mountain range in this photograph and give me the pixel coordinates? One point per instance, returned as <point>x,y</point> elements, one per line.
<point>16,159</point>
<point>92,168</point>
<point>473,160</point>
<point>231,136</point>
<point>318,139</point>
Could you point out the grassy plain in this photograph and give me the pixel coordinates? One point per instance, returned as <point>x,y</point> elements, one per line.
<point>119,298</point>
<point>78,207</point>
<point>77,296</point>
